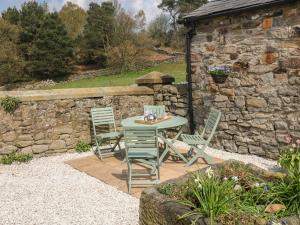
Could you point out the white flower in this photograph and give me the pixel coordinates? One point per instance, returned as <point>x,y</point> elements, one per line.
<point>225,178</point>
<point>256,184</point>
<point>237,187</point>
<point>197,180</point>
<point>200,186</point>
<point>209,172</point>
<point>235,178</point>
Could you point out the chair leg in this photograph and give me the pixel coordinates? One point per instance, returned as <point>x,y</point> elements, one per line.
<point>200,154</point>
<point>158,173</point>
<point>129,176</point>
<point>98,151</point>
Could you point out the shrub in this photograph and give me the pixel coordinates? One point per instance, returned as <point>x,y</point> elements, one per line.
<point>10,104</point>
<point>209,196</point>
<point>82,147</point>
<point>15,157</point>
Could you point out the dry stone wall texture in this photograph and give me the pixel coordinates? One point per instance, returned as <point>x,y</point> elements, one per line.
<point>261,102</point>
<point>56,126</point>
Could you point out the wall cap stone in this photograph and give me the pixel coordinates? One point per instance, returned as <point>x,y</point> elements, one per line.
<point>77,93</point>
<point>155,78</point>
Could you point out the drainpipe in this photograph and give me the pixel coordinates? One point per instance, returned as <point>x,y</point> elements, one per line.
<point>188,40</point>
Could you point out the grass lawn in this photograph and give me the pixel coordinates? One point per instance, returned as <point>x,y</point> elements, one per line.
<point>124,79</point>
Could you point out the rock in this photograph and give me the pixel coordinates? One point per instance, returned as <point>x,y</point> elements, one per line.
<point>39,148</point>
<point>240,101</point>
<point>274,208</point>
<point>9,136</point>
<point>221,98</point>
<point>280,125</point>
<point>181,112</point>
<point>58,144</point>
<point>26,137</point>
<point>256,150</point>
<point>8,149</point>
<point>27,150</point>
<point>257,102</point>
<point>63,130</point>
<point>227,91</point>
<point>243,150</point>
<point>22,144</point>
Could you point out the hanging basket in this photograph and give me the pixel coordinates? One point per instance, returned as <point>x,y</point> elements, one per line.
<point>219,79</point>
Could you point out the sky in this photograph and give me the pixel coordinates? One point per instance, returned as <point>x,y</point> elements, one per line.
<point>132,6</point>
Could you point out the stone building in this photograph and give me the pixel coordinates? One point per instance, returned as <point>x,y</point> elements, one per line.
<point>260,41</point>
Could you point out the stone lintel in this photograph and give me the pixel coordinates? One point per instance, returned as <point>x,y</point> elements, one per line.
<point>155,78</point>
<point>76,93</point>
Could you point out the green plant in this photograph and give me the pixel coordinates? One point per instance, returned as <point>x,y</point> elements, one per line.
<point>167,189</point>
<point>10,104</point>
<point>15,157</point>
<point>209,196</point>
<point>290,158</point>
<point>220,71</point>
<point>82,147</point>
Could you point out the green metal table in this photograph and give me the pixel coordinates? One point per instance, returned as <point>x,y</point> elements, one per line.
<point>172,123</point>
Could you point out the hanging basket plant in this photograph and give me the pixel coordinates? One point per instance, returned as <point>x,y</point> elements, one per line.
<point>220,73</point>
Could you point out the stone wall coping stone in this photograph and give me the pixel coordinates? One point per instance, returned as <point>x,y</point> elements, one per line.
<point>155,78</point>
<point>77,93</point>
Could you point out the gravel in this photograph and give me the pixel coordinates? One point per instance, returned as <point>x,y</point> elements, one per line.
<point>258,161</point>
<point>48,191</point>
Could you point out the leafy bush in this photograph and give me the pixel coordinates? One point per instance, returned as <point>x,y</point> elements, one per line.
<point>15,157</point>
<point>82,147</point>
<point>209,197</point>
<point>237,194</point>
<point>10,104</point>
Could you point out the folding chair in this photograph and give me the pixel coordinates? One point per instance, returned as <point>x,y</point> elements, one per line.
<point>159,110</point>
<point>141,146</point>
<point>104,128</point>
<point>199,142</point>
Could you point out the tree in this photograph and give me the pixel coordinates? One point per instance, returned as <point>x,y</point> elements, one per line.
<point>177,7</point>
<point>11,15</point>
<point>74,19</point>
<point>52,50</point>
<point>97,33</point>
<point>125,50</point>
<point>31,16</point>
<point>159,29</point>
<point>11,63</point>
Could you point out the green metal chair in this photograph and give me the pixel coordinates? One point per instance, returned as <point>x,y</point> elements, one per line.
<point>141,146</point>
<point>104,128</point>
<point>199,142</point>
<point>159,110</point>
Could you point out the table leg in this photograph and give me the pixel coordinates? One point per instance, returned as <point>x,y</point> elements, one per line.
<point>170,147</point>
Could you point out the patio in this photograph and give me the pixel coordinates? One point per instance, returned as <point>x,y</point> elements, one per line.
<point>113,171</point>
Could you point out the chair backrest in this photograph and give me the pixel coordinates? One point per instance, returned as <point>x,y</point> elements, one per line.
<point>211,124</point>
<point>160,110</point>
<point>141,138</point>
<point>103,117</point>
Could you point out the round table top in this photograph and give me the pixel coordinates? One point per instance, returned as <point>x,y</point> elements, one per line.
<point>174,121</point>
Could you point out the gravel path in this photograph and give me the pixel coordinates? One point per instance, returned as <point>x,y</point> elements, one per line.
<point>47,191</point>
<point>258,161</point>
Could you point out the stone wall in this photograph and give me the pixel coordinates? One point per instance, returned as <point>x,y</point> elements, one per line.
<point>261,102</point>
<point>173,96</point>
<point>50,122</point>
